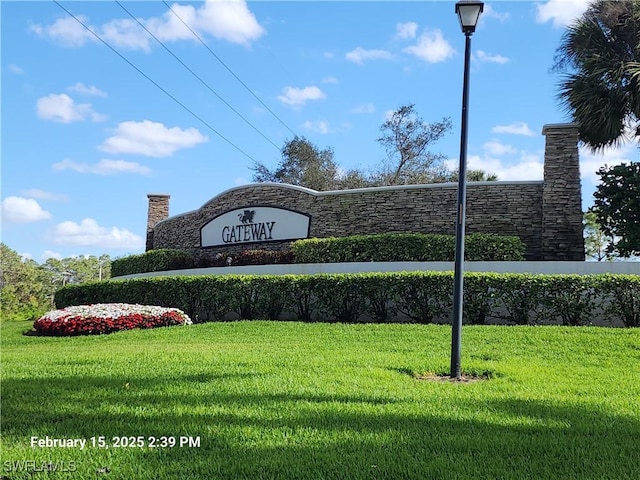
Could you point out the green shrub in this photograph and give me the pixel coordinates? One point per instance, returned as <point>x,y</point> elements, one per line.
<point>246,257</point>
<point>340,297</point>
<point>216,297</point>
<point>405,247</point>
<point>152,261</point>
<point>385,247</point>
<point>623,293</point>
<point>479,297</point>
<point>521,296</point>
<point>380,298</point>
<point>303,296</point>
<point>422,297</point>
<point>569,297</point>
<point>492,248</point>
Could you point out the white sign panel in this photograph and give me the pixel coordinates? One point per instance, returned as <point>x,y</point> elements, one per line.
<point>254,224</point>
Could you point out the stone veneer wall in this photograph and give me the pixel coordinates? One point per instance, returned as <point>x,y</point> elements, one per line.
<point>562,237</point>
<point>496,207</point>
<point>158,211</point>
<point>547,215</point>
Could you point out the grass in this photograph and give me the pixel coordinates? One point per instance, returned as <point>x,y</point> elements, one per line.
<point>271,400</point>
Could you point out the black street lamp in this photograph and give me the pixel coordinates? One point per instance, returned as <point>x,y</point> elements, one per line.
<point>468,13</point>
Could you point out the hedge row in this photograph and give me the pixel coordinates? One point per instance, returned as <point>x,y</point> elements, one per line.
<point>152,261</point>
<point>386,247</point>
<point>406,247</point>
<point>421,297</point>
<point>246,257</point>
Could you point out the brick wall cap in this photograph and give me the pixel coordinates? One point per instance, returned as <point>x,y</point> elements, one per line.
<point>316,193</point>
<point>559,128</point>
<point>158,195</point>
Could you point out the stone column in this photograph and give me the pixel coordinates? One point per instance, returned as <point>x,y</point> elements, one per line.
<point>158,211</point>
<point>562,235</point>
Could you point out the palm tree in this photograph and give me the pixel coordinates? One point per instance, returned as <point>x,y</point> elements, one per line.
<point>599,55</point>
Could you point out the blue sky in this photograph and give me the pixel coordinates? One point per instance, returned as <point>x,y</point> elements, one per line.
<point>85,136</point>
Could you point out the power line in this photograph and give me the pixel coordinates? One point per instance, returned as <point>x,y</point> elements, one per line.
<point>197,76</point>
<point>228,69</point>
<point>156,84</point>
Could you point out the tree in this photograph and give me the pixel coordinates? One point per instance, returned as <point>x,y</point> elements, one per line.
<point>27,288</point>
<point>302,164</point>
<point>617,207</point>
<point>474,176</point>
<point>23,286</point>
<point>595,241</point>
<point>599,57</point>
<point>405,137</point>
<point>79,269</point>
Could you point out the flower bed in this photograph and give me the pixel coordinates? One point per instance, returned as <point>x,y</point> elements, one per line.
<point>106,318</point>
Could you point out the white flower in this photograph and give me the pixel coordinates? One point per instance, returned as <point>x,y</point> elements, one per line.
<point>111,310</point>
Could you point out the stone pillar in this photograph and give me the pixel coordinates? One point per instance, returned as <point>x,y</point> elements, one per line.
<point>158,211</point>
<point>562,235</point>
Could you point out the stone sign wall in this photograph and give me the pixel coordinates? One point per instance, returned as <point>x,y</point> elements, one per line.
<point>546,215</point>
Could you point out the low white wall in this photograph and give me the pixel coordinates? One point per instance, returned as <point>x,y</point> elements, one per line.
<point>580,268</point>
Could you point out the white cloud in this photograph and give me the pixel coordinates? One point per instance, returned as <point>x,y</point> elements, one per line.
<point>494,147</point>
<point>431,47</point>
<point>13,68</point>
<point>320,126</point>
<point>299,96</point>
<point>66,31</point>
<point>44,195</point>
<point>61,108</point>
<point>103,167</point>
<point>360,55</point>
<point>23,210</point>
<point>516,128</point>
<point>560,12</point>
<point>151,139</point>
<point>527,166</point>
<point>127,34</point>
<point>51,254</point>
<point>89,234</point>
<point>515,164</point>
<point>25,256</point>
<point>231,21</point>
<point>406,30</point>
<point>87,90</point>
<point>332,80</point>
<point>489,12</point>
<point>241,181</point>
<point>228,20</point>
<point>364,108</point>
<point>591,162</point>
<point>483,56</point>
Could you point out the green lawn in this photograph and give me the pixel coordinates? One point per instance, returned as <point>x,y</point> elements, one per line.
<point>326,401</point>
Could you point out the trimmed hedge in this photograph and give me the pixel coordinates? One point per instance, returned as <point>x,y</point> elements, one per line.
<point>246,257</point>
<point>406,247</point>
<point>152,261</point>
<point>422,297</point>
<point>385,247</point>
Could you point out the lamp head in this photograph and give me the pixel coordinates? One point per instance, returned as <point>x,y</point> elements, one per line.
<point>468,13</point>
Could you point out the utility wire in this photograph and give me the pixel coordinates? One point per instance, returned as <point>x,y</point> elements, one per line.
<point>228,69</point>
<point>156,84</point>
<point>196,75</point>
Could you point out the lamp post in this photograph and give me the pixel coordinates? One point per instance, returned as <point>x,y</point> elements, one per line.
<point>468,14</point>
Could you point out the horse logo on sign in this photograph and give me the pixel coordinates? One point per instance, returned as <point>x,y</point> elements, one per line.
<point>247,216</point>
